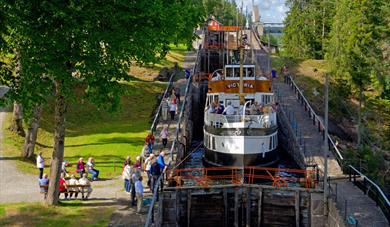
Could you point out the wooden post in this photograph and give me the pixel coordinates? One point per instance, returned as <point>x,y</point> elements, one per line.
<point>297,222</point>
<point>248,207</point>
<point>189,208</point>
<point>226,208</point>
<point>176,210</point>
<point>235,207</point>
<point>259,203</point>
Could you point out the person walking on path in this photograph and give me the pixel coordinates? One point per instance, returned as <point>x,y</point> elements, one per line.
<point>172,109</point>
<point>134,177</point>
<point>80,168</point>
<point>126,175</point>
<point>92,170</point>
<point>149,141</point>
<point>155,172</point>
<point>40,164</point>
<point>138,163</point>
<point>139,190</point>
<point>164,136</point>
<point>147,166</point>
<point>164,109</point>
<point>44,181</point>
<point>177,94</point>
<point>162,166</point>
<point>127,161</point>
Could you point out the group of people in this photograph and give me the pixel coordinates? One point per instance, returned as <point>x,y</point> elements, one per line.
<point>163,137</point>
<point>170,104</point>
<point>82,169</point>
<point>152,166</point>
<point>254,109</point>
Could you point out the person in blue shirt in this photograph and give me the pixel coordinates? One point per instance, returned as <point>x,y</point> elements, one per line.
<point>139,190</point>
<point>161,162</point>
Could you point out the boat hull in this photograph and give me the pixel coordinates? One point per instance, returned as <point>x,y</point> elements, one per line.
<point>215,158</point>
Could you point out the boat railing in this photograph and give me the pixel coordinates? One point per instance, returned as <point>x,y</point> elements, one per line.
<point>265,120</point>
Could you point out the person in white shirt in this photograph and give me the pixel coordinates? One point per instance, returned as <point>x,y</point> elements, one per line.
<point>139,191</point>
<point>164,109</point>
<point>40,164</point>
<point>126,175</point>
<point>73,181</point>
<point>148,164</point>
<point>172,109</point>
<point>229,110</point>
<point>91,169</point>
<point>84,181</point>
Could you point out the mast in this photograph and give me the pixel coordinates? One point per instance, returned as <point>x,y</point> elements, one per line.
<point>242,95</point>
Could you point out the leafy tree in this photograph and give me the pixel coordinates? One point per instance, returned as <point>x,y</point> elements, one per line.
<point>307,26</point>
<point>224,11</point>
<point>88,44</point>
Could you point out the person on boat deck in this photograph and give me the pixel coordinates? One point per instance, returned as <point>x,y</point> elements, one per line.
<point>229,110</point>
<point>212,108</point>
<point>254,109</point>
<point>220,108</point>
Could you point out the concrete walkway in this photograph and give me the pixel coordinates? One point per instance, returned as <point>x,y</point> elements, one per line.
<point>15,186</point>
<point>359,205</point>
<point>313,139</point>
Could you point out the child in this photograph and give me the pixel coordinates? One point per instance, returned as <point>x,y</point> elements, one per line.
<point>44,182</point>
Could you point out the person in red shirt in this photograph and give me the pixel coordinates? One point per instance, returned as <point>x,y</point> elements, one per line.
<point>149,140</point>
<point>63,186</point>
<point>80,168</point>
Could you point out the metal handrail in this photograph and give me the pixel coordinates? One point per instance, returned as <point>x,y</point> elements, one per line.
<point>338,153</point>
<point>155,192</point>
<point>170,82</point>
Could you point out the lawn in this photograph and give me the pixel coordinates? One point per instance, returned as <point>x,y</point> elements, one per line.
<point>69,214</point>
<point>90,132</point>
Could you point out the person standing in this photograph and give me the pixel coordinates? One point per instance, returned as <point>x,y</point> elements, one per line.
<point>164,136</point>
<point>177,94</point>
<point>40,164</point>
<point>63,186</point>
<point>172,109</point>
<point>139,190</point>
<point>126,175</point>
<point>162,166</point>
<point>134,177</point>
<point>147,166</point>
<point>149,141</point>
<point>44,183</point>
<point>164,109</point>
<point>155,172</point>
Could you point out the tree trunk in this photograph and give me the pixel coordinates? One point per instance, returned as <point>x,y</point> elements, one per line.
<point>58,151</point>
<point>17,120</point>
<point>32,133</point>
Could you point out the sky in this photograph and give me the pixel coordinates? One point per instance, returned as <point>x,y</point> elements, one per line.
<point>270,10</point>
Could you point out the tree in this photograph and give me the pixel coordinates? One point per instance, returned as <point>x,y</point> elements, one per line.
<point>307,26</point>
<point>90,44</point>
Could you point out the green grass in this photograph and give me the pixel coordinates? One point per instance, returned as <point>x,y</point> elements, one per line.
<point>70,214</point>
<point>90,132</point>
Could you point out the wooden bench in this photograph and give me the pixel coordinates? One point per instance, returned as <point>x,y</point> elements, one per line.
<point>79,189</point>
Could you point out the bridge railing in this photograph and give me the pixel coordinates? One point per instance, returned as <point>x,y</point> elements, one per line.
<point>366,184</point>
<point>174,148</point>
<point>371,189</point>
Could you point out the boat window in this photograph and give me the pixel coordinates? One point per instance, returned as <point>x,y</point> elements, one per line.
<point>270,143</point>
<point>249,72</point>
<point>213,143</point>
<point>229,72</point>
<point>236,72</point>
<point>265,99</point>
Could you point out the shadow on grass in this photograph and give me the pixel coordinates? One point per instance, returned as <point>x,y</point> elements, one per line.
<point>115,140</point>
